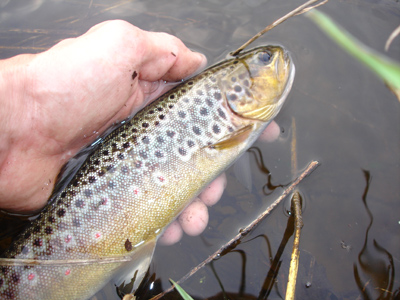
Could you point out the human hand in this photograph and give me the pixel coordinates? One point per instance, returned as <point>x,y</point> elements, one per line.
<point>56,102</point>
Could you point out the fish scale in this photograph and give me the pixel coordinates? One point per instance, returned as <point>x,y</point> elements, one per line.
<point>141,176</point>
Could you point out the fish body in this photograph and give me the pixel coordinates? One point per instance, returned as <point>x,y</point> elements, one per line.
<point>142,176</point>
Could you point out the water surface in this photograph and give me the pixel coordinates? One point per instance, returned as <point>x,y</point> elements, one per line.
<point>345,118</point>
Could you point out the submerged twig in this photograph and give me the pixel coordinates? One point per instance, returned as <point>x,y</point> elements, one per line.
<point>294,261</point>
<point>298,223</point>
<point>299,10</point>
<point>246,230</point>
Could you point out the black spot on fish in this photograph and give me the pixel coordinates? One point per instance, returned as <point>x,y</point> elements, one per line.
<point>204,111</point>
<point>170,133</point>
<point>160,139</point>
<point>63,195</point>
<point>209,102</point>
<point>134,130</point>
<point>143,154</point>
<point>246,83</point>
<point>156,123</point>
<point>190,143</point>
<point>48,230</point>
<point>61,212</point>
<point>213,79</point>
<point>190,82</point>
<point>235,62</point>
<point>181,114</point>
<point>216,129</point>
<point>233,79</point>
<point>182,151</point>
<point>230,129</point>
<point>123,135</point>
<point>75,183</point>
<point>101,173</point>
<point>183,91</point>
<point>125,170</point>
<point>151,111</point>
<point>92,179</point>
<point>196,130</point>
<point>79,203</point>
<point>221,113</point>
<point>97,162</point>
<point>237,88</point>
<point>105,152</point>
<point>146,140</point>
<point>15,277</point>
<point>138,164</point>
<point>110,168</point>
<point>36,229</point>
<point>173,54</point>
<point>161,117</point>
<point>128,245</point>
<point>114,145</point>
<point>9,294</point>
<point>25,250</point>
<point>76,223</point>
<point>121,156</point>
<point>159,108</point>
<point>134,75</point>
<point>37,242</point>
<point>217,95</point>
<point>172,96</point>
<point>145,125</point>
<point>170,106</point>
<point>27,235</point>
<point>232,97</point>
<point>159,154</point>
<point>88,193</point>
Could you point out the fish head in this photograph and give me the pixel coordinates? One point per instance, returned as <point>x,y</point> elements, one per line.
<point>258,82</point>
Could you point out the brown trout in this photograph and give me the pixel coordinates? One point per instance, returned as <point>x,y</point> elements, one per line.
<point>142,175</point>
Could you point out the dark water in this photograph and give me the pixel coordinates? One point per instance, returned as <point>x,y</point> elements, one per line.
<point>345,118</point>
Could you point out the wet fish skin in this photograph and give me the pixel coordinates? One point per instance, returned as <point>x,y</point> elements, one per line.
<point>144,173</point>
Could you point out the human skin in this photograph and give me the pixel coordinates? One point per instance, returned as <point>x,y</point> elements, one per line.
<point>54,103</point>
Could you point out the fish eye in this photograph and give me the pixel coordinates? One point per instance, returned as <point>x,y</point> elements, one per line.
<point>265,57</point>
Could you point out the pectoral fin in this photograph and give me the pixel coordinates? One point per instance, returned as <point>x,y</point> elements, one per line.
<point>234,139</point>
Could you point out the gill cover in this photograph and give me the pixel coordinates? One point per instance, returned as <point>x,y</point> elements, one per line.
<point>257,85</point>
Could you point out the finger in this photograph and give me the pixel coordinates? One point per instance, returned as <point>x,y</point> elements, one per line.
<point>167,58</point>
<point>194,218</point>
<point>214,191</point>
<point>271,133</point>
<point>172,234</point>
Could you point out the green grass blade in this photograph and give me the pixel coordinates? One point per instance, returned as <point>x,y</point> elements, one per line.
<point>180,290</point>
<point>384,67</point>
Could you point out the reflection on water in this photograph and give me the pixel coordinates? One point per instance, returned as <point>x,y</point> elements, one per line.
<point>345,117</point>
<point>374,273</point>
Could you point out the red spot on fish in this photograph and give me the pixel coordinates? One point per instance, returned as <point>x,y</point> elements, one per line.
<point>68,238</point>
<point>67,272</point>
<point>136,192</point>
<point>161,178</point>
<point>31,276</point>
<point>104,201</point>
<point>98,234</point>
